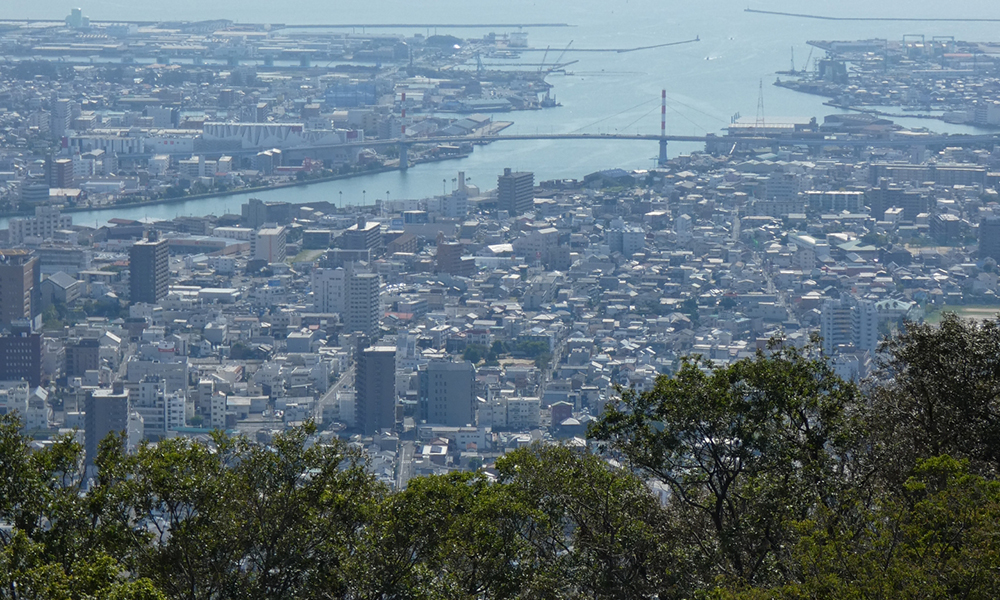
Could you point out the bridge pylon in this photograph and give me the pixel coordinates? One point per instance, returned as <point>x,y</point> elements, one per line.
<point>404,156</point>
<point>662,161</point>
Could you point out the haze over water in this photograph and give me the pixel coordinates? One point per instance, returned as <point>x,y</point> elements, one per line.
<point>707,82</point>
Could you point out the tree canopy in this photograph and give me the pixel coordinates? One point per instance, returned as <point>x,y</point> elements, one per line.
<point>769,477</point>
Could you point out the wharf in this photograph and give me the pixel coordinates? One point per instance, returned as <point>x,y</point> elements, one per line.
<point>910,19</point>
<point>274,26</point>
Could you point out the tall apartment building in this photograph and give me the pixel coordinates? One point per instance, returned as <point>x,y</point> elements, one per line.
<point>82,355</point>
<point>447,393</point>
<point>375,383</point>
<point>516,192</point>
<point>864,325</point>
<point>362,308</point>
<point>20,278</point>
<point>46,222</point>
<point>449,258</point>
<point>150,402</point>
<point>835,325</point>
<point>268,244</point>
<point>989,238</point>
<point>61,116</point>
<point>364,235</point>
<point>21,355</point>
<point>329,288</point>
<point>63,173</point>
<point>845,324</point>
<point>149,270</point>
<point>107,411</point>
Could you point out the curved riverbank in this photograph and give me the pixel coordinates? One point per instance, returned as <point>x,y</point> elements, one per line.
<point>210,195</point>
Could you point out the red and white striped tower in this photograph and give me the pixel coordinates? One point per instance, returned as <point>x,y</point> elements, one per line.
<point>402,130</point>
<point>404,155</point>
<point>663,113</point>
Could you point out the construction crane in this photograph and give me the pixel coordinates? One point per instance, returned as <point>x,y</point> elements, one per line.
<point>542,64</point>
<point>560,66</point>
<point>565,50</point>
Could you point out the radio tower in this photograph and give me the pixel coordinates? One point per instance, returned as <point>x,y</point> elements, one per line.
<point>758,127</point>
<point>662,161</point>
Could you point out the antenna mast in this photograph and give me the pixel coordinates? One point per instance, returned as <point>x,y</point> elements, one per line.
<point>759,123</point>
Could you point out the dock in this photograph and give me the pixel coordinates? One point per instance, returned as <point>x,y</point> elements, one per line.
<point>908,19</point>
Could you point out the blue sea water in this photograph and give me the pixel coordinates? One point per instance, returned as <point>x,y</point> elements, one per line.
<point>707,82</point>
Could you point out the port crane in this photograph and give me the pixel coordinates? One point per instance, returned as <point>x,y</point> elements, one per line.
<point>544,56</point>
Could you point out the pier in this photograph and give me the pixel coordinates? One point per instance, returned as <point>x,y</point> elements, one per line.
<point>908,19</point>
<point>274,26</point>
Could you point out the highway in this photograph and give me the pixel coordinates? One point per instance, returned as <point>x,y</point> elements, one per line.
<point>814,141</point>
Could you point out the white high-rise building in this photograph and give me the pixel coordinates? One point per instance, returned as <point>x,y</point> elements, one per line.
<point>864,326</point>
<point>849,323</point>
<point>835,325</point>
<point>176,410</point>
<point>151,405</point>
<point>329,287</point>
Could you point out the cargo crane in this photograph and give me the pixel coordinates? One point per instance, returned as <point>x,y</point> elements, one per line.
<point>559,64</point>
<point>542,64</point>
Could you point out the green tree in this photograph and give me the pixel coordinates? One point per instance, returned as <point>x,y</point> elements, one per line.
<point>474,353</point>
<point>936,539</point>
<point>937,391</point>
<point>58,543</point>
<point>597,531</point>
<point>746,450</point>
<point>238,519</point>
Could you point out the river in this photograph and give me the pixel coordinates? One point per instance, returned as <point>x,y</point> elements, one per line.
<point>707,82</point>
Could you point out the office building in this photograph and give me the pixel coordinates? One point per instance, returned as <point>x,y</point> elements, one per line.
<point>160,411</point>
<point>44,225</point>
<point>63,174</point>
<point>375,383</point>
<point>21,354</point>
<point>945,228</point>
<point>268,244</point>
<point>515,192</point>
<point>35,191</point>
<point>362,306</point>
<point>82,355</point>
<point>149,270</point>
<point>329,288</point>
<point>447,393</point>
<point>61,117</point>
<point>150,403</point>
<point>107,411</point>
<point>255,213</point>
<point>364,235</point>
<point>989,238</point>
<point>20,294</point>
<point>449,258</point>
